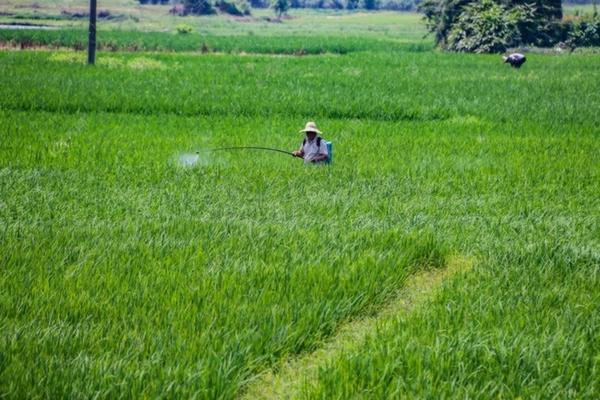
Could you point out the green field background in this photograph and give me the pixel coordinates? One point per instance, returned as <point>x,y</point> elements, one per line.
<point>128,273</point>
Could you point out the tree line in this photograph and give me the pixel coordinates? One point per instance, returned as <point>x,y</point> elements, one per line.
<point>243,7</point>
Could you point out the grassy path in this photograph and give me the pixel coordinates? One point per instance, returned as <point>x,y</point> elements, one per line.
<point>286,380</point>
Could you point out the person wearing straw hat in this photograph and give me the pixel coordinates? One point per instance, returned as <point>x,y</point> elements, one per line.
<point>314,148</point>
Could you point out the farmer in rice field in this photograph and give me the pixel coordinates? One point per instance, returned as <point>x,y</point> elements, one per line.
<point>313,148</point>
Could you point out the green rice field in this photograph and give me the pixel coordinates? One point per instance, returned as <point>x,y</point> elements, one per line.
<point>137,264</point>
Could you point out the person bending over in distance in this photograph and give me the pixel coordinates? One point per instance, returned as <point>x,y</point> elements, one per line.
<point>515,60</point>
<point>313,148</point>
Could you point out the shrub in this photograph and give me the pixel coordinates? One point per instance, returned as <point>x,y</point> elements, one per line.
<point>260,3</point>
<point>351,4</point>
<point>369,4</point>
<point>244,6</point>
<point>184,29</point>
<point>531,22</point>
<point>487,27</point>
<point>280,7</point>
<point>239,7</point>
<point>585,32</point>
<point>198,7</point>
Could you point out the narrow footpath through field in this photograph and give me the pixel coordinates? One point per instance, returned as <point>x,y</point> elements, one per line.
<point>286,380</point>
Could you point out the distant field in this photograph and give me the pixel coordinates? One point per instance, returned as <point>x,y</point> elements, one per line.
<point>129,15</point>
<point>132,16</point>
<point>150,28</point>
<point>137,264</point>
<point>578,9</point>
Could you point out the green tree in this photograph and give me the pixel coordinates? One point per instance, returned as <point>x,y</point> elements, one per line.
<point>487,27</point>
<point>539,23</point>
<point>544,27</point>
<point>280,7</point>
<point>440,15</point>
<point>585,32</point>
<point>370,4</point>
<point>233,7</point>
<point>198,7</point>
<point>551,9</point>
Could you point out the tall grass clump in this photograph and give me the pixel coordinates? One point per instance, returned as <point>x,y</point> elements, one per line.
<point>425,251</point>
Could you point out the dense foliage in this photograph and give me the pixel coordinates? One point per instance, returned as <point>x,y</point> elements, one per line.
<point>400,5</point>
<point>493,25</point>
<point>280,7</point>
<point>584,32</point>
<point>487,27</point>
<point>198,7</point>
<point>235,7</point>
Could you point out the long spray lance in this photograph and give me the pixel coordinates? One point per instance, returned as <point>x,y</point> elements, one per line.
<point>245,148</point>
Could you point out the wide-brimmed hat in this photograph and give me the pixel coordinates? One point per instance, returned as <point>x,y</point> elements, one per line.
<point>310,127</point>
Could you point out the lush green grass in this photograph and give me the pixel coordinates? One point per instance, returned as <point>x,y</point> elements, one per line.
<point>404,86</point>
<point>126,273</point>
<point>523,325</point>
<point>160,41</point>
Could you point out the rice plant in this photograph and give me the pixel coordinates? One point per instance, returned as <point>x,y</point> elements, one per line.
<point>128,273</point>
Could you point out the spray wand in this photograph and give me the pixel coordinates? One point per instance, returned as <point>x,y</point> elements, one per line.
<point>246,148</point>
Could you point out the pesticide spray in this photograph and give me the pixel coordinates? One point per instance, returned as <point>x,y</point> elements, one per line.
<point>247,148</point>
<point>327,161</point>
<point>191,159</point>
<point>188,160</point>
<point>200,157</point>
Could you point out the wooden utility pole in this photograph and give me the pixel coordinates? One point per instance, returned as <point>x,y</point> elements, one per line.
<point>92,34</point>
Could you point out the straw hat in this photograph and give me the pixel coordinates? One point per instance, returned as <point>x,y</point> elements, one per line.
<point>310,127</point>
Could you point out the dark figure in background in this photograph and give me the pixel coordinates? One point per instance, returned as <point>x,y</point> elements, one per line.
<point>515,60</point>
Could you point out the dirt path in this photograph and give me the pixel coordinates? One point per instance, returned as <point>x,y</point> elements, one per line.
<point>285,381</point>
